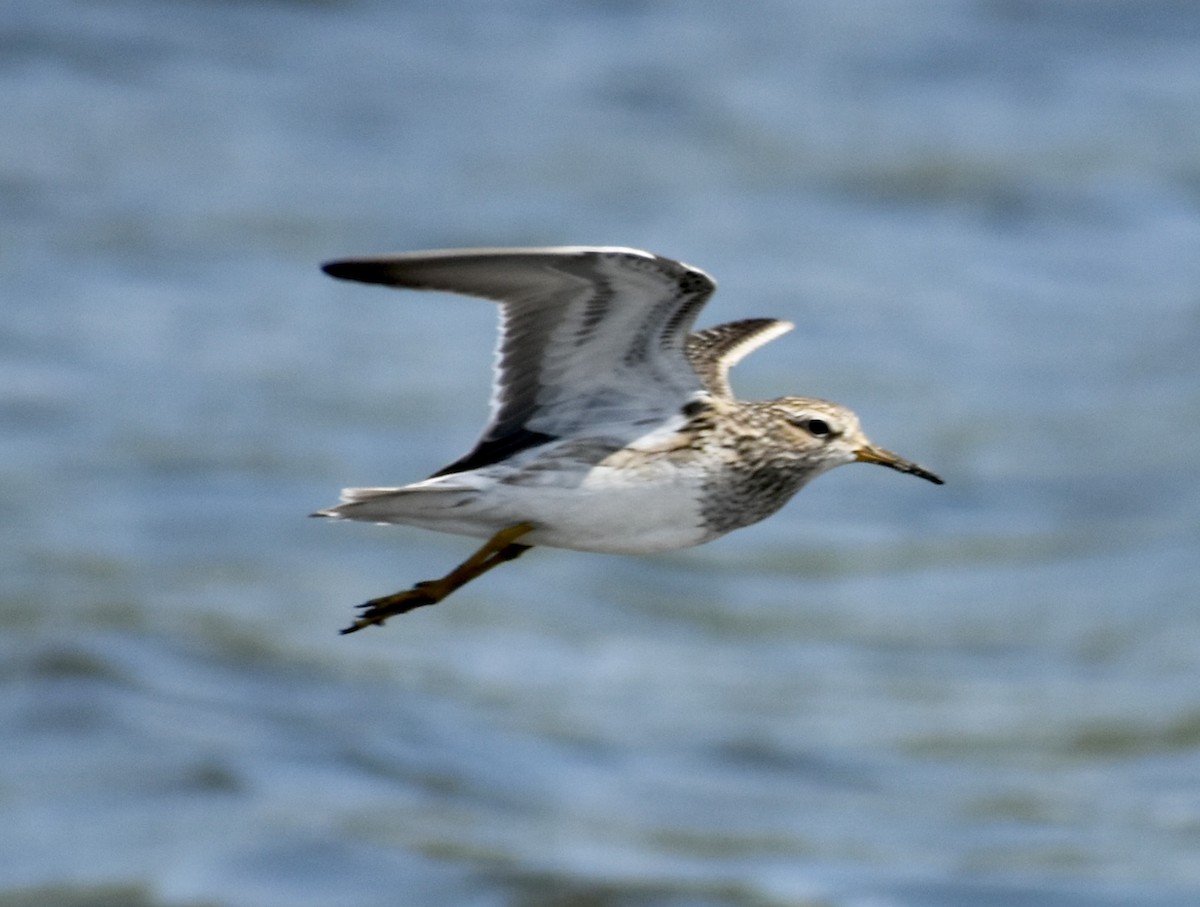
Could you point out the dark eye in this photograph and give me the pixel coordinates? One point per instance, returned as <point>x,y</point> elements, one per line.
<point>818,428</point>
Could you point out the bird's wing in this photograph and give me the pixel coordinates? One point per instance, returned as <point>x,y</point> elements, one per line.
<point>591,338</point>
<point>713,351</point>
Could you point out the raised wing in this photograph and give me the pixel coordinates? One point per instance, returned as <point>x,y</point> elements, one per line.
<point>591,338</point>
<point>713,351</point>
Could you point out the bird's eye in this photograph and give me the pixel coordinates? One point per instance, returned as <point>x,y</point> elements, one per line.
<point>818,428</point>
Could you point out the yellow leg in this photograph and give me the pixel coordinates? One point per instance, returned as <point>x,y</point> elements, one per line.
<point>501,547</point>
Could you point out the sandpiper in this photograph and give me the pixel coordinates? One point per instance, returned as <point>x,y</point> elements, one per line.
<point>613,426</point>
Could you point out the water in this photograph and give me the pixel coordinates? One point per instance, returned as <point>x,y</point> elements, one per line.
<point>985,219</point>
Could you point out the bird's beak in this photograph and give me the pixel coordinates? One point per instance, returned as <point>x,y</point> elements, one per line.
<point>869,454</point>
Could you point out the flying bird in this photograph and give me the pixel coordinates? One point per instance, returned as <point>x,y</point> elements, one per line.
<point>613,426</point>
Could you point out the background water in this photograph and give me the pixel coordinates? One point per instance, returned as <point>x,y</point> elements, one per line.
<point>985,218</point>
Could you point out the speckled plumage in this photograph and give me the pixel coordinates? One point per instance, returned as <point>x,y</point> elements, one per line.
<point>613,428</point>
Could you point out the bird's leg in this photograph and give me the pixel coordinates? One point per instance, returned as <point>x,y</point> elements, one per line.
<point>501,547</point>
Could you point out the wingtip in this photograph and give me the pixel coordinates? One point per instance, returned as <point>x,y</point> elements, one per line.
<point>343,269</point>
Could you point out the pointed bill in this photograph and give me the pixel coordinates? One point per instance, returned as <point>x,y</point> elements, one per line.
<point>870,454</point>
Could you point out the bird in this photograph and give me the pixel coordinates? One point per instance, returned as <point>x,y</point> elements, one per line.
<point>613,427</point>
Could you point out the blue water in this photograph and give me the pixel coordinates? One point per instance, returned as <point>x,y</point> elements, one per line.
<point>983,216</point>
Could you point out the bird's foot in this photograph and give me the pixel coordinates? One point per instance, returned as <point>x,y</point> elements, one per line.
<point>499,548</point>
<point>378,610</point>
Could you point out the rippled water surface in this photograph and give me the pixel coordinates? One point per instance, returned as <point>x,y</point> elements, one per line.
<point>983,216</point>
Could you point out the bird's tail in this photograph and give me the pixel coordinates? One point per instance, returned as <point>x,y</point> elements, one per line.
<point>406,504</point>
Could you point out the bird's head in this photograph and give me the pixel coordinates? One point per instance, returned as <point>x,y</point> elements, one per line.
<point>827,435</point>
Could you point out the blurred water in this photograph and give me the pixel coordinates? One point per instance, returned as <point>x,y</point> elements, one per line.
<point>985,218</point>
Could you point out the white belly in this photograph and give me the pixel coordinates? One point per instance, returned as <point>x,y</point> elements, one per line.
<point>612,512</point>
<point>605,509</point>
<point>581,494</point>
